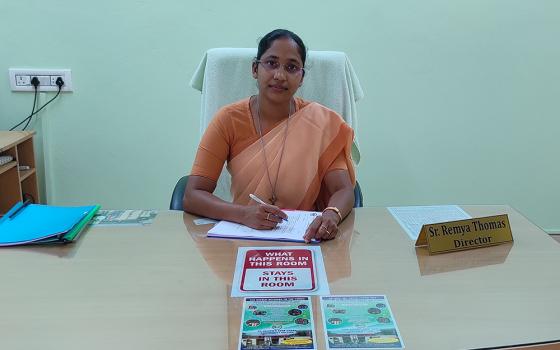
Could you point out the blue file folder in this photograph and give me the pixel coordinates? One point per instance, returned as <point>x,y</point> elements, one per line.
<point>37,223</point>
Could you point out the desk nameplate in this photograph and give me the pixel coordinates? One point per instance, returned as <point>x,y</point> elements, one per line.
<point>466,234</point>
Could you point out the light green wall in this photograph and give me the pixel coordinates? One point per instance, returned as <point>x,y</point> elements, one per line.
<point>461,106</point>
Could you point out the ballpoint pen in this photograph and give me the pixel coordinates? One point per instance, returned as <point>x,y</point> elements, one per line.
<point>258,200</point>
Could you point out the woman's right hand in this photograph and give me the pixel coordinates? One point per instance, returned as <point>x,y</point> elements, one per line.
<point>262,216</point>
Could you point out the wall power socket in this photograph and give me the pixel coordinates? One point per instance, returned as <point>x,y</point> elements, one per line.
<point>20,79</point>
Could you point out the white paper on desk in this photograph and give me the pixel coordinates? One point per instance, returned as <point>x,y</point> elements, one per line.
<point>412,218</point>
<point>292,230</point>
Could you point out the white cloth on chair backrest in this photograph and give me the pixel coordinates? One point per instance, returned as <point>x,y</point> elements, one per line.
<point>224,76</point>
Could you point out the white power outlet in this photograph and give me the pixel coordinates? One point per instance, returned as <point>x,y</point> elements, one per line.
<point>20,79</point>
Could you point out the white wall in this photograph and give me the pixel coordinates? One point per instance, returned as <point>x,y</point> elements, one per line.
<point>461,106</point>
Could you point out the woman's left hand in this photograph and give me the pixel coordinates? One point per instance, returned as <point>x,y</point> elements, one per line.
<point>324,227</point>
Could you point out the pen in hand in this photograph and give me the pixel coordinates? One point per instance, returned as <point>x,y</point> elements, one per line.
<point>258,200</point>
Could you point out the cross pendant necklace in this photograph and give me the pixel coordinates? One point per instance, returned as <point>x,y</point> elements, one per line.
<point>272,199</point>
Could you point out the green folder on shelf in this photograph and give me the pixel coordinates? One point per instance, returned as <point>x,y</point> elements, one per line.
<point>43,224</point>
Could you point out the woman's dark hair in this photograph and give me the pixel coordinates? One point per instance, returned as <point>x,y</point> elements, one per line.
<point>268,39</point>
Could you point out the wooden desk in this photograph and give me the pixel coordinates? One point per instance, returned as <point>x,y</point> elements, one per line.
<point>166,286</point>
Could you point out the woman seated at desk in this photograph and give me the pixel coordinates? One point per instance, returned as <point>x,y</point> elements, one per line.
<point>292,153</point>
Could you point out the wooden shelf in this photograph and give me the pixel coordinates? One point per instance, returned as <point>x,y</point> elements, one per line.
<point>24,174</point>
<point>16,185</point>
<point>7,166</point>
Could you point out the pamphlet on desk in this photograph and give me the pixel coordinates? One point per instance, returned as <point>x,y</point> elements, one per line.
<point>356,322</point>
<point>277,323</point>
<point>39,224</point>
<point>128,217</point>
<point>291,230</point>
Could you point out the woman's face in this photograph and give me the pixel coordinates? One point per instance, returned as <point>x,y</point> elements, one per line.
<point>279,72</point>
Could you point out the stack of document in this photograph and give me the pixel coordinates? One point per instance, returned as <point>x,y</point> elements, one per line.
<point>291,230</point>
<point>36,223</point>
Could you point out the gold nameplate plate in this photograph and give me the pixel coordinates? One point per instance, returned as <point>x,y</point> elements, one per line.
<point>445,237</point>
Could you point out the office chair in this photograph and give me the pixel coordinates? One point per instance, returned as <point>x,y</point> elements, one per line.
<point>223,76</point>
<point>179,192</point>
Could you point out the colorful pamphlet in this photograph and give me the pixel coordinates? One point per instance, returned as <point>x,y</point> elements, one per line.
<point>123,217</point>
<point>277,324</point>
<point>354,322</point>
<point>276,271</point>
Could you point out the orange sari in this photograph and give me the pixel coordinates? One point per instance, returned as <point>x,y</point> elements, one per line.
<point>318,140</point>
